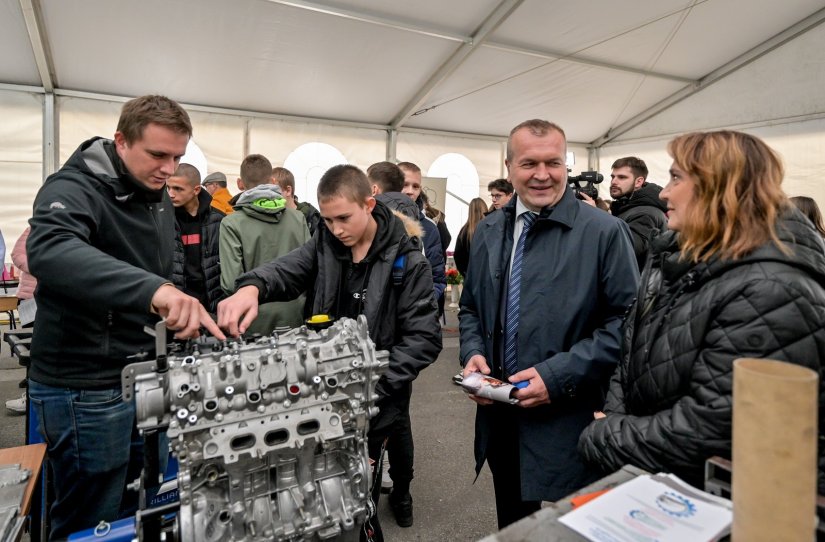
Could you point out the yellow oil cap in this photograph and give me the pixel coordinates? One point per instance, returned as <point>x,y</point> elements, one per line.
<point>319,321</point>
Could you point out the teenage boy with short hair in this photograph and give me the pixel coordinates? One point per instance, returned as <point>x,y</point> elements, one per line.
<point>346,270</point>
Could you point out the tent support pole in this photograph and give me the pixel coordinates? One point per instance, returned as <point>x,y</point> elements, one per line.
<point>51,145</point>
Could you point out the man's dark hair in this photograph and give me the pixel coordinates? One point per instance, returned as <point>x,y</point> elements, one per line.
<point>255,171</point>
<point>636,165</point>
<point>140,112</point>
<point>344,181</point>
<point>189,172</point>
<point>501,185</point>
<point>283,177</point>
<point>387,176</point>
<point>409,166</point>
<point>538,128</point>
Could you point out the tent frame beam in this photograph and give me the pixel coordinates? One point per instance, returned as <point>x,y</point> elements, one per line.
<point>790,33</point>
<point>386,22</point>
<point>572,59</point>
<point>33,15</point>
<point>499,14</point>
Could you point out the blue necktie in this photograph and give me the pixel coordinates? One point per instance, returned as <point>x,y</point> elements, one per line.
<point>513,294</point>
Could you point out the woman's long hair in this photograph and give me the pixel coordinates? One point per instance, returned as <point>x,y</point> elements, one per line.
<point>477,210</point>
<point>810,209</point>
<point>738,194</point>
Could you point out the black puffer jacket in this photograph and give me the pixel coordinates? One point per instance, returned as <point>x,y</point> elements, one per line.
<point>401,319</point>
<point>644,212</point>
<point>210,219</point>
<point>669,404</point>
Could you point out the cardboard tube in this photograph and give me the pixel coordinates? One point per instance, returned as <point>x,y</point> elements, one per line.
<point>775,432</point>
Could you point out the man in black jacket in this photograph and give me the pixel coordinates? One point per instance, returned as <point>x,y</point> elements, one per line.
<point>197,269</point>
<point>637,202</point>
<point>101,244</point>
<point>346,270</point>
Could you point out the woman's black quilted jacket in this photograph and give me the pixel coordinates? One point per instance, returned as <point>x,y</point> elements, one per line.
<point>670,401</point>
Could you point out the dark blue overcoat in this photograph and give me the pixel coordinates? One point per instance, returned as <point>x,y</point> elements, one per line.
<point>579,276</point>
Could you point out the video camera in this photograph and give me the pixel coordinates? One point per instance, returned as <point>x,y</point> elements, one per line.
<point>588,179</point>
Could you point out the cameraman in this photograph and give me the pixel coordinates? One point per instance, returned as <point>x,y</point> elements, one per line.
<point>637,202</point>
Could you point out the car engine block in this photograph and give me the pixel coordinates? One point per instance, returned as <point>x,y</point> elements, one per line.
<point>270,433</point>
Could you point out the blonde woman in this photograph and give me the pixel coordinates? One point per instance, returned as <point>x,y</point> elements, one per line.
<point>739,274</point>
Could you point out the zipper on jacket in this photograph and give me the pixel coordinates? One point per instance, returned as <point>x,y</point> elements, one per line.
<point>158,232</point>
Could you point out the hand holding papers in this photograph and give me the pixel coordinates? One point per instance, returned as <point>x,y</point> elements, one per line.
<point>491,388</point>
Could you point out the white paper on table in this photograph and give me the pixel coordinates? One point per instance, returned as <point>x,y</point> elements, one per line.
<point>26,309</point>
<point>652,508</point>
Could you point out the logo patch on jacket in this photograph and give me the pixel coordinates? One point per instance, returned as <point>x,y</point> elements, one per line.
<point>56,205</point>
<point>191,239</point>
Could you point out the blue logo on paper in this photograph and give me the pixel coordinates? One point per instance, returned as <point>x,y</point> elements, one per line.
<point>675,505</point>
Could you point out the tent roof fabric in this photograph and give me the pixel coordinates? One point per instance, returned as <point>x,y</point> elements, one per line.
<point>465,66</point>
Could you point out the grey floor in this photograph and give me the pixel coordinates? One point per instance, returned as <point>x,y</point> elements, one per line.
<point>447,504</point>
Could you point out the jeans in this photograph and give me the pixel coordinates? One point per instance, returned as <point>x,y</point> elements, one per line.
<point>94,450</point>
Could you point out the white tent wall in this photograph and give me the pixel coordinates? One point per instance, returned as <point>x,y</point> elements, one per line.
<point>221,138</point>
<point>21,158</point>
<point>80,119</point>
<point>802,147</point>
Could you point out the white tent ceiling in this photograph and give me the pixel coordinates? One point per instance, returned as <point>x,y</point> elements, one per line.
<point>598,67</point>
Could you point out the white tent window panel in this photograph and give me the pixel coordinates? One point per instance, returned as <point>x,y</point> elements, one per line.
<point>462,186</point>
<point>82,119</point>
<point>194,156</point>
<point>276,139</point>
<point>308,163</point>
<point>21,156</point>
<point>221,138</point>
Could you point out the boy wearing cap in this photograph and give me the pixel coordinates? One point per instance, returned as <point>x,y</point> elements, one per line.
<point>347,270</point>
